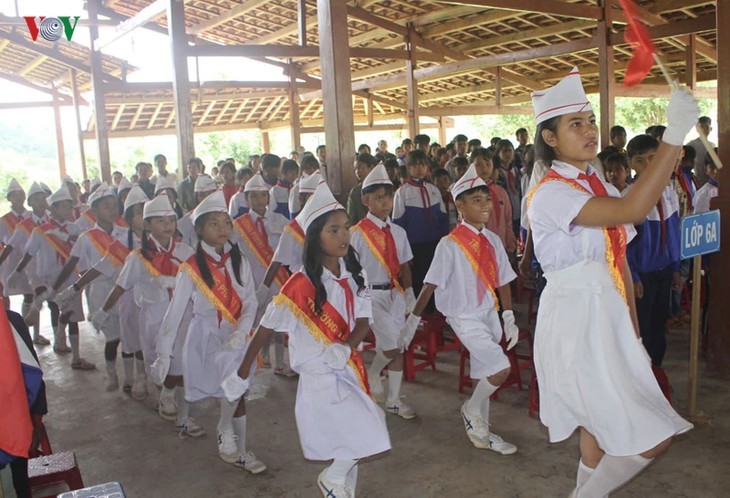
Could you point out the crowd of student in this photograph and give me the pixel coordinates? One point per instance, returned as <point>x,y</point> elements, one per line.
<point>244,256</point>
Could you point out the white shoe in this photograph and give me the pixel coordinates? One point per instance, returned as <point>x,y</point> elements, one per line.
<point>166,408</point>
<point>285,372</point>
<point>332,490</point>
<point>401,409</point>
<point>189,427</point>
<point>250,463</point>
<point>227,449</point>
<point>112,383</point>
<point>477,430</point>
<point>499,445</point>
<point>139,390</point>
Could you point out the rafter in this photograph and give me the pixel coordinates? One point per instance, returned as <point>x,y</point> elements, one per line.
<point>227,15</point>
<point>552,7</point>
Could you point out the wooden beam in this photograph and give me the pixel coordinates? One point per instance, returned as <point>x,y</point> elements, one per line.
<point>240,109</point>
<point>222,112</point>
<point>181,84</point>
<point>549,7</point>
<point>32,65</point>
<point>60,148</point>
<point>411,85</point>
<point>97,77</point>
<point>135,118</point>
<point>32,104</point>
<point>672,30</point>
<point>266,142</point>
<point>302,21</point>
<point>117,116</point>
<point>337,91</point>
<point>147,14</point>
<point>225,16</point>
<point>606,81</point>
<point>296,137</point>
<point>206,113</point>
<point>166,86</point>
<point>369,110</point>
<point>77,114</point>
<point>155,113</point>
<point>295,52</point>
<point>652,91</point>
<point>169,98</point>
<point>474,110</point>
<point>691,67</point>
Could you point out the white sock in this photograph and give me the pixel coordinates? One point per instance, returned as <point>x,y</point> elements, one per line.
<point>612,473</point>
<point>128,364</point>
<point>379,363</point>
<point>351,480</point>
<point>278,350</point>
<point>74,341</point>
<point>394,381</point>
<point>141,375</point>
<point>183,407</point>
<point>59,335</point>
<point>167,393</point>
<point>111,368</point>
<point>479,401</point>
<point>225,424</point>
<point>337,472</point>
<point>239,429</point>
<point>584,473</point>
<point>36,331</point>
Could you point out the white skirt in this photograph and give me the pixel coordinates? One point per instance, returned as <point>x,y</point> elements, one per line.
<point>129,323</point>
<point>337,419</point>
<point>150,322</point>
<point>14,283</point>
<point>99,290</point>
<point>593,371</point>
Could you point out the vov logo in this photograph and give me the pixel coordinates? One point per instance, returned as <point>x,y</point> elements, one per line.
<point>51,28</point>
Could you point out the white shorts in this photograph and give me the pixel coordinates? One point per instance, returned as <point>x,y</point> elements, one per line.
<point>389,309</point>
<point>480,333</point>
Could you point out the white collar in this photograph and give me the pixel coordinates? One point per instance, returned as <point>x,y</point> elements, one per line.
<point>255,216</point>
<point>378,222</point>
<point>210,250</point>
<point>37,219</point>
<point>160,247</point>
<point>328,275</point>
<point>569,171</point>
<point>471,227</point>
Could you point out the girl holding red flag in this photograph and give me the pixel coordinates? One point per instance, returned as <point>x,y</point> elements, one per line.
<point>325,308</point>
<point>217,282</point>
<point>592,369</point>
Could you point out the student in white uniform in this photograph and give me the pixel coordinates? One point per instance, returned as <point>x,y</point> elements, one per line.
<point>469,270</point>
<point>706,192</point>
<point>12,283</point>
<point>48,248</point>
<point>166,185</point>
<point>127,312</point>
<point>91,247</point>
<point>16,197</point>
<point>592,369</point>
<point>325,308</point>
<point>204,186</point>
<point>257,233</point>
<point>218,281</point>
<point>384,254</point>
<point>308,166</point>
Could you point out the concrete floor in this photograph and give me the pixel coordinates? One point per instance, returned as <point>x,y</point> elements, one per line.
<point>118,439</point>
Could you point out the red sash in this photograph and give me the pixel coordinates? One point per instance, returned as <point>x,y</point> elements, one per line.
<point>11,220</point>
<point>121,222</point>
<point>296,231</point>
<point>27,225</point>
<point>108,245</point>
<point>482,258</point>
<point>615,236</point>
<point>222,295</point>
<point>62,247</point>
<point>259,245</point>
<point>329,327</point>
<point>89,215</point>
<point>383,247</point>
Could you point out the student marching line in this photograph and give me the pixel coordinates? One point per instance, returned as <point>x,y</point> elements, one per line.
<point>593,371</point>
<point>470,270</point>
<point>326,309</point>
<point>384,254</point>
<point>204,186</point>
<point>217,280</point>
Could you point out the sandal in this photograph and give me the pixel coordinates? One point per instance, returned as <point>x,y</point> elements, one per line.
<point>82,364</point>
<point>41,341</point>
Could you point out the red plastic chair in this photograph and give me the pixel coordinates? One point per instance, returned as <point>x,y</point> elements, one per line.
<point>56,468</point>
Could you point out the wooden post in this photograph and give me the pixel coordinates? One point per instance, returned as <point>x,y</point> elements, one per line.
<point>369,110</point>
<point>498,87</point>
<point>302,19</point>
<point>718,350</point>
<point>60,149</point>
<point>295,124</point>
<point>266,142</point>
<point>180,84</point>
<point>100,125</point>
<point>339,130</point>
<point>694,343</point>
<point>606,76</point>
<point>691,70</point>
<point>411,85</point>
<point>80,132</point>
<point>442,131</point>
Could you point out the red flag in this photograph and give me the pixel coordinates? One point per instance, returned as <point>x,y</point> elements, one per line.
<point>16,428</point>
<point>636,35</point>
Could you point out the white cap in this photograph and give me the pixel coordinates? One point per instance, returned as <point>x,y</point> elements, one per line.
<point>15,186</point>
<point>322,202</point>
<point>204,183</point>
<point>469,181</point>
<point>566,97</point>
<point>104,190</point>
<point>135,196</point>
<point>94,182</point>
<point>164,182</point>
<point>45,188</point>
<point>67,179</point>
<point>257,184</point>
<point>59,195</point>
<point>308,184</point>
<point>124,185</point>
<point>36,188</point>
<point>378,176</point>
<point>214,203</point>
<point>159,206</point>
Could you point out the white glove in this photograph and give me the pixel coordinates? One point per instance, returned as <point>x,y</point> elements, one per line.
<point>682,114</point>
<point>164,281</point>
<point>40,299</point>
<point>409,330</point>
<point>410,300</point>
<point>64,297</point>
<point>336,355</point>
<point>262,294</point>
<point>234,387</point>
<point>511,331</point>
<point>159,369</point>
<point>98,320</point>
<point>236,341</point>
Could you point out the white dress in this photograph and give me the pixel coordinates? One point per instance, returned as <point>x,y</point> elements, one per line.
<point>289,250</point>
<point>17,283</point>
<point>205,360</point>
<point>335,417</point>
<point>593,371</point>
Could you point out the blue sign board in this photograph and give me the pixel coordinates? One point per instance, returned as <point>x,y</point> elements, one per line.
<point>700,234</point>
